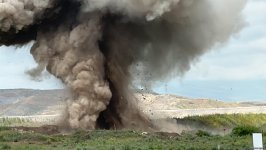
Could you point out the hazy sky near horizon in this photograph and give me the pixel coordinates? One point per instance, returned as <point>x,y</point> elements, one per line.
<point>240,61</point>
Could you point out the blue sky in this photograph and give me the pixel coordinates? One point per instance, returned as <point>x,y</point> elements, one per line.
<point>14,62</point>
<point>236,71</point>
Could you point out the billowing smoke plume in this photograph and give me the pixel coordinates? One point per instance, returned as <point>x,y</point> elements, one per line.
<point>97,47</point>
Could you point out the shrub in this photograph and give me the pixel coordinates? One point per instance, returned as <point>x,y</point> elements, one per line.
<point>201,133</point>
<point>5,146</point>
<point>244,130</point>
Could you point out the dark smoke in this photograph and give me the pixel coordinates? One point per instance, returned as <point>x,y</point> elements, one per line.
<point>97,47</point>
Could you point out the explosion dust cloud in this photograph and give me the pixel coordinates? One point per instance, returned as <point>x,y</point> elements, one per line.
<point>97,47</point>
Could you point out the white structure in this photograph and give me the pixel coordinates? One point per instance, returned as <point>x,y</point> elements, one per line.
<point>257,141</point>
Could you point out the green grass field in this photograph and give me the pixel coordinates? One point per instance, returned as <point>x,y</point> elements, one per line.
<point>15,122</point>
<point>228,121</point>
<point>20,139</point>
<point>118,140</point>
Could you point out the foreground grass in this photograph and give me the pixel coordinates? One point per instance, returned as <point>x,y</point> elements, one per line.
<point>17,139</point>
<point>117,140</point>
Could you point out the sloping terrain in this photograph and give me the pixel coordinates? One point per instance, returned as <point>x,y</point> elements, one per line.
<point>31,102</point>
<point>23,102</point>
<point>173,102</point>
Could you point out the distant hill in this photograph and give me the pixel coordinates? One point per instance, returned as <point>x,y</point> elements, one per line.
<point>24,102</point>
<point>31,102</point>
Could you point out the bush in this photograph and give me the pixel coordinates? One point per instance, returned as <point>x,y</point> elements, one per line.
<point>201,133</point>
<point>5,146</point>
<point>244,130</point>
